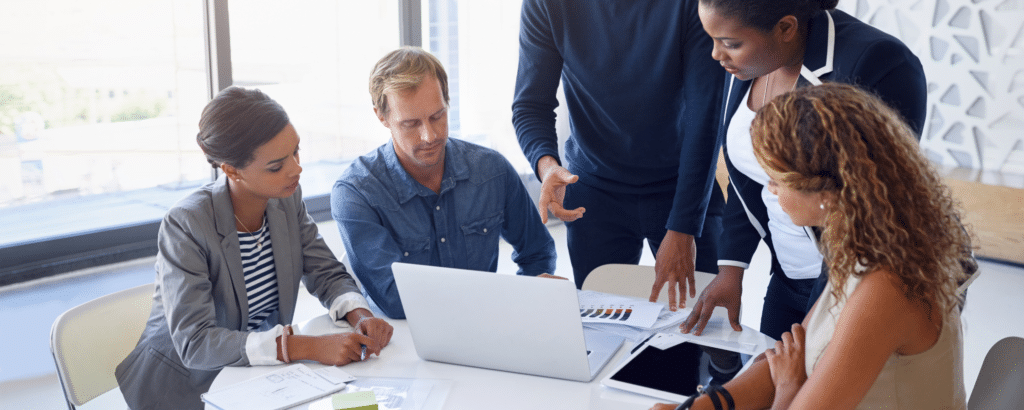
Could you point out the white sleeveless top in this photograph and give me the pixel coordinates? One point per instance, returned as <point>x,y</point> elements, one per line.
<point>932,379</point>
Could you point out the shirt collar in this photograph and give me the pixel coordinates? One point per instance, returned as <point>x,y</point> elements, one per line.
<point>821,46</point>
<point>455,169</point>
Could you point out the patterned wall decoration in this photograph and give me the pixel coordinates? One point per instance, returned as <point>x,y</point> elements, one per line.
<point>973,56</point>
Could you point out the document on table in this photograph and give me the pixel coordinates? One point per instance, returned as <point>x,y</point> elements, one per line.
<point>284,388</point>
<point>394,393</point>
<point>667,320</point>
<point>598,307</point>
<point>737,342</point>
<point>716,333</point>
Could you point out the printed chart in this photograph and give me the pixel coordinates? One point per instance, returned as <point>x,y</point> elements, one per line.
<point>596,307</point>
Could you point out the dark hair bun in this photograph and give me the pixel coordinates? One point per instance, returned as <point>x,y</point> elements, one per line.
<point>235,123</point>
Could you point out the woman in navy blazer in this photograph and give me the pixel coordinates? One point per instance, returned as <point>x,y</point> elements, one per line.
<point>205,315</point>
<point>769,47</point>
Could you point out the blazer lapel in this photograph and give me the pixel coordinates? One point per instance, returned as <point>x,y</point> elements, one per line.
<point>224,218</point>
<point>284,264</point>
<point>821,49</point>
<point>734,90</point>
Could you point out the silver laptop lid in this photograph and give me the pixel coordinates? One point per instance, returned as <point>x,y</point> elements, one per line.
<point>496,321</point>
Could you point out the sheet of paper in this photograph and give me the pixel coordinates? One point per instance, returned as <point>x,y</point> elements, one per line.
<point>397,393</point>
<point>598,307</point>
<point>287,387</point>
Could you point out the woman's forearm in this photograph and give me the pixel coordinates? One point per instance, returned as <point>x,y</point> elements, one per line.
<point>752,389</point>
<point>784,396</point>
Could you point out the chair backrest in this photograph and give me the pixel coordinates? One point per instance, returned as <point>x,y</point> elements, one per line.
<point>90,340</point>
<point>1000,382</point>
<point>636,281</point>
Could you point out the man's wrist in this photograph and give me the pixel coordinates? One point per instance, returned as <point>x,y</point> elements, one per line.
<point>730,270</point>
<point>678,237</point>
<point>545,165</point>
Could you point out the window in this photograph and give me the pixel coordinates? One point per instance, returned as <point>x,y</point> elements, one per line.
<point>478,43</point>
<point>100,100</point>
<point>97,97</point>
<point>314,57</point>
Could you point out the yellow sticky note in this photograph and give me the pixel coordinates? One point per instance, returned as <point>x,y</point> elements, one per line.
<point>360,400</point>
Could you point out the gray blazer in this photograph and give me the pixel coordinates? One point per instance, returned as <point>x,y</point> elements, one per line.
<point>200,310</point>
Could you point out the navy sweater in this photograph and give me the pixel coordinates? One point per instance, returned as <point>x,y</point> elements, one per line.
<point>643,95</point>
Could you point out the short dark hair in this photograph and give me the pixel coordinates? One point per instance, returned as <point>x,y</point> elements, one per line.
<point>764,14</point>
<point>237,122</point>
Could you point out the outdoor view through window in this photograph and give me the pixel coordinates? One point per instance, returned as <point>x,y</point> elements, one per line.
<point>102,98</point>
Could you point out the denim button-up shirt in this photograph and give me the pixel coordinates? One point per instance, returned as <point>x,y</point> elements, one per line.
<point>386,216</point>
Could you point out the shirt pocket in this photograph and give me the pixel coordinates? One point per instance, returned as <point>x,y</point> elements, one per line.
<point>481,241</point>
<point>486,226</point>
<point>415,249</point>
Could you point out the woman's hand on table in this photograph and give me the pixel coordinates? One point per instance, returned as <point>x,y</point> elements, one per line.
<point>341,348</point>
<point>724,290</point>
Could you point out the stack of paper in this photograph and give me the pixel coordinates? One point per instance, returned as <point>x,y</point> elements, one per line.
<point>284,388</point>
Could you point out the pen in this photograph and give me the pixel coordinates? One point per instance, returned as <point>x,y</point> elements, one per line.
<point>362,354</point>
<point>641,344</point>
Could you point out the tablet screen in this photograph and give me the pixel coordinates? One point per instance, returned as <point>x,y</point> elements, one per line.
<point>675,370</point>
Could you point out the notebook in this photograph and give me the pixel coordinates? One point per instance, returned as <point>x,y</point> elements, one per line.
<point>513,323</point>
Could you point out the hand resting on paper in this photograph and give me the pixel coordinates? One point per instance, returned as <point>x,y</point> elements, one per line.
<point>674,265</point>
<point>724,290</point>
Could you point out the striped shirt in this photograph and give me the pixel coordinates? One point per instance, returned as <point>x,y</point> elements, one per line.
<point>260,276</point>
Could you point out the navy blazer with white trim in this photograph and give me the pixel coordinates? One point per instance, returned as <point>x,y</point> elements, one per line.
<point>840,48</point>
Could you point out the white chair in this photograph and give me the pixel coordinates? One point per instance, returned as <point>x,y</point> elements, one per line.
<point>636,281</point>
<point>90,340</point>
<point>1000,382</point>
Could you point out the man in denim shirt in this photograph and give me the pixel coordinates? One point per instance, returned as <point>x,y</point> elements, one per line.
<point>423,198</point>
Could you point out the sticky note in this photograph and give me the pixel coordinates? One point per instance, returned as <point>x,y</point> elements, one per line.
<point>360,400</point>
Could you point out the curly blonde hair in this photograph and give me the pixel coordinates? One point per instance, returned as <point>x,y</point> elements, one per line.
<point>891,210</point>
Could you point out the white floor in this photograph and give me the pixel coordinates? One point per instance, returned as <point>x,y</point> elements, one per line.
<point>28,381</point>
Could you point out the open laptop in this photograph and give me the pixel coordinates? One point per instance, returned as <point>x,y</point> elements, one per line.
<point>513,323</point>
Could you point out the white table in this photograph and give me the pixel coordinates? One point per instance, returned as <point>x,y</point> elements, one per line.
<point>476,388</point>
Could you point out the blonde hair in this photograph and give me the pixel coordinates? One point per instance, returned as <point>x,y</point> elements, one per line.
<point>404,69</point>
<point>891,211</point>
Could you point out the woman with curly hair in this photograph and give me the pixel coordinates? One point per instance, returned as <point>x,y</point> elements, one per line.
<point>886,331</point>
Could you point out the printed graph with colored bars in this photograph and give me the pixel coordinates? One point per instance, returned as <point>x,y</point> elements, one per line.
<point>597,307</point>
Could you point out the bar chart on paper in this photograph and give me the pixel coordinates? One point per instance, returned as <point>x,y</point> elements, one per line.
<point>596,307</point>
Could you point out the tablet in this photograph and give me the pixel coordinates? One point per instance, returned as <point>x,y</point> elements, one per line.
<point>666,372</point>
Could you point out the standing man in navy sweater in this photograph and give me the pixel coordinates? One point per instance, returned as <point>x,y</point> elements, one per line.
<point>644,97</point>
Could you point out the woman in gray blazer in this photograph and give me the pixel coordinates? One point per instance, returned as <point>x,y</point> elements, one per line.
<point>230,258</point>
